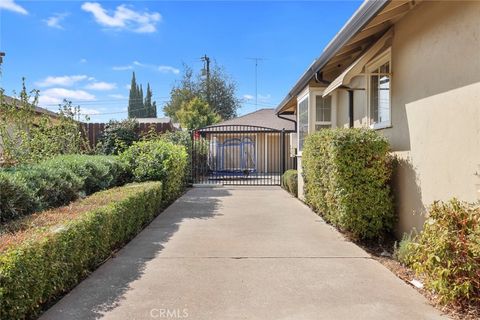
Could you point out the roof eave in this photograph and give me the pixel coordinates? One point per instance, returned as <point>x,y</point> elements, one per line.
<point>360,18</point>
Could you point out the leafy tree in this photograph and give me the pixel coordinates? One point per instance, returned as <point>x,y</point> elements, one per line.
<point>118,136</point>
<point>218,90</point>
<point>196,113</point>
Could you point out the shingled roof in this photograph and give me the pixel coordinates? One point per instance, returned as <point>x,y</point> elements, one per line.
<point>261,118</point>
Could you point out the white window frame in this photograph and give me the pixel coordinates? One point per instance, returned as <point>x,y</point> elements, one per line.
<point>332,113</point>
<point>384,57</point>
<point>300,100</point>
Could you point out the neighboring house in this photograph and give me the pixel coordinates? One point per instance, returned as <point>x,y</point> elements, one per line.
<point>411,70</point>
<point>250,146</point>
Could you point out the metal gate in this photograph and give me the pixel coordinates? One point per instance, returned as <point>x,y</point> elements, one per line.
<point>241,155</point>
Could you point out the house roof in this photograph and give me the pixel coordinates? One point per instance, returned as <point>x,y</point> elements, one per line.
<point>38,110</point>
<point>368,24</point>
<point>265,118</point>
<point>154,120</point>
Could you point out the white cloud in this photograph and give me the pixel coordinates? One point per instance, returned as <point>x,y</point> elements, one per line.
<point>55,20</point>
<point>168,69</point>
<point>56,96</point>
<point>123,18</point>
<point>122,68</point>
<point>127,86</point>
<point>118,96</point>
<point>12,6</point>
<point>88,111</point>
<point>83,60</point>
<point>65,81</point>
<point>248,97</point>
<point>159,68</point>
<point>264,98</point>
<point>101,86</point>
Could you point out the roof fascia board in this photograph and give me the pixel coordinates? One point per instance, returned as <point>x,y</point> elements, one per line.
<point>360,18</point>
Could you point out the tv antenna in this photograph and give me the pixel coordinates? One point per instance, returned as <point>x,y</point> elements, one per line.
<point>256,79</point>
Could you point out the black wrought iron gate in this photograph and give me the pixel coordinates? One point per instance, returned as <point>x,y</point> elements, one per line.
<point>241,155</point>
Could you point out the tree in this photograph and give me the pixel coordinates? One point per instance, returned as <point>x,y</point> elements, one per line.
<point>137,106</point>
<point>218,90</point>
<point>150,107</point>
<point>196,113</point>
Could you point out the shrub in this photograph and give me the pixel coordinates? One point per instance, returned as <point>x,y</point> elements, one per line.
<point>158,160</point>
<point>56,182</point>
<point>290,181</point>
<point>16,199</point>
<point>41,262</point>
<point>347,173</point>
<point>27,137</point>
<point>402,249</point>
<point>118,136</point>
<point>447,252</point>
<point>51,186</point>
<point>97,172</point>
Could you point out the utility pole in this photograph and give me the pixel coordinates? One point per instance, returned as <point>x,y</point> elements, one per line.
<point>206,70</point>
<point>256,79</point>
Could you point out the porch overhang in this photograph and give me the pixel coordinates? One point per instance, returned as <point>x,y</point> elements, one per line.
<point>356,67</point>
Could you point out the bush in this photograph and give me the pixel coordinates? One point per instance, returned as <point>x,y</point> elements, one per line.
<point>158,160</point>
<point>118,136</point>
<point>16,199</point>
<point>447,252</point>
<point>56,182</point>
<point>290,181</point>
<point>97,172</point>
<point>347,173</point>
<point>51,186</point>
<point>65,244</point>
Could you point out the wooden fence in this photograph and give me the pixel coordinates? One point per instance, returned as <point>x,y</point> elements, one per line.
<point>94,131</point>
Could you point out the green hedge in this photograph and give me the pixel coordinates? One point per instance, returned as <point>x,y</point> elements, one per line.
<point>158,160</point>
<point>56,182</point>
<point>447,252</point>
<point>50,261</point>
<point>347,173</point>
<point>290,181</point>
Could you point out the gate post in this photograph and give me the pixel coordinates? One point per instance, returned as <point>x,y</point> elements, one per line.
<point>191,156</point>
<point>282,152</point>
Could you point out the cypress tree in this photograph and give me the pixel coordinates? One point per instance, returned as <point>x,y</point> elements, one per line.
<point>132,98</point>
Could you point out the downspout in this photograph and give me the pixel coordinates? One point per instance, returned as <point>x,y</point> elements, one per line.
<point>350,107</point>
<point>291,120</point>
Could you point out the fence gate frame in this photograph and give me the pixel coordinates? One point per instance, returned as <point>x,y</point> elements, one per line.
<point>240,155</point>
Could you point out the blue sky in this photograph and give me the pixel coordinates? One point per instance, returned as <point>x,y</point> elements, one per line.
<point>86,51</point>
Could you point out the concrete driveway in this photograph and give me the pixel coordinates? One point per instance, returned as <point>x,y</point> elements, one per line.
<point>241,253</point>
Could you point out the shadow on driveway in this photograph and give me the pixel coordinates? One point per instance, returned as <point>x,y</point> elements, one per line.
<point>104,289</point>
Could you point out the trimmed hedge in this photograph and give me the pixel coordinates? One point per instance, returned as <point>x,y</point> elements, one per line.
<point>347,174</point>
<point>447,252</point>
<point>290,181</point>
<point>56,182</point>
<point>52,258</point>
<point>158,160</point>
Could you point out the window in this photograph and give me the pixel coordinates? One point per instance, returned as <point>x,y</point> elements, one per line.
<point>379,74</point>
<point>323,112</point>
<point>302,122</point>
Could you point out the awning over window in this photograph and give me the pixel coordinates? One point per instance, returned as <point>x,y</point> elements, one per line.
<point>356,67</point>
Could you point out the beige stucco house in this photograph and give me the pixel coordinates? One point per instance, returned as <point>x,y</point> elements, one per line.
<point>411,70</point>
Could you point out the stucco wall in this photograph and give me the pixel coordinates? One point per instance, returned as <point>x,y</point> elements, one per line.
<point>435,107</point>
